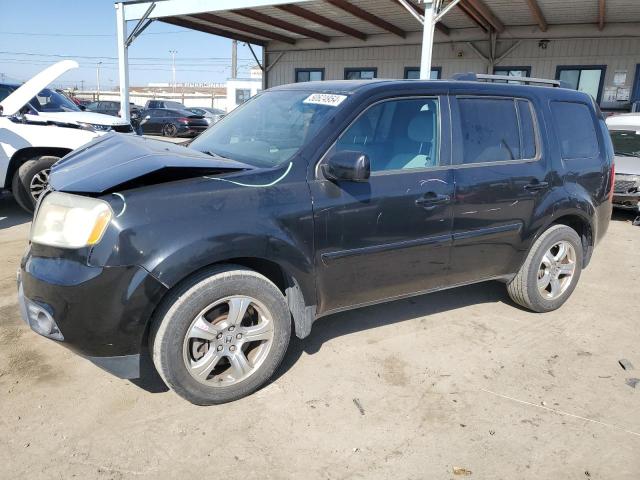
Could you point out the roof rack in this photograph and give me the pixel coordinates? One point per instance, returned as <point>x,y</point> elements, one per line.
<point>474,77</point>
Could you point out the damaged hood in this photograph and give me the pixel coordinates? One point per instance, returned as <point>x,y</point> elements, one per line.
<point>115,160</point>
<point>23,94</point>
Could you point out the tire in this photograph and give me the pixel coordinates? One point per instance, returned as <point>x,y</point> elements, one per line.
<point>175,350</point>
<point>30,180</point>
<point>526,287</point>
<point>169,130</point>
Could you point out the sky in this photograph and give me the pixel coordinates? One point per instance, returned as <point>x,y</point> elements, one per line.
<point>36,33</point>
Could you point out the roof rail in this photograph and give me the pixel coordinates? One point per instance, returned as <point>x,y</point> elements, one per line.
<point>474,77</point>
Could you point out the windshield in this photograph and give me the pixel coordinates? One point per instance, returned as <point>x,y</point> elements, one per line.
<point>51,101</point>
<point>270,128</point>
<point>626,143</point>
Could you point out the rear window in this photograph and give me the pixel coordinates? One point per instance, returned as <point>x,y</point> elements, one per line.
<point>575,129</point>
<point>496,129</point>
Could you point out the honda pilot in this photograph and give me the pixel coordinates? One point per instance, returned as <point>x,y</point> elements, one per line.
<point>311,199</point>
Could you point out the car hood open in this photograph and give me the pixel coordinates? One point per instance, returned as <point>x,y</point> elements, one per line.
<point>126,161</point>
<point>25,92</point>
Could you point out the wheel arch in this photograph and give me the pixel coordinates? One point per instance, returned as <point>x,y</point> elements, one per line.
<point>301,304</point>
<point>24,154</point>
<point>579,221</point>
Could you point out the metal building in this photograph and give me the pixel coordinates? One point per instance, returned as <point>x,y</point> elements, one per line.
<point>592,44</point>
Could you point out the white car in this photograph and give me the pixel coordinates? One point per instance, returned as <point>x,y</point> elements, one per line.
<point>625,135</point>
<point>38,126</point>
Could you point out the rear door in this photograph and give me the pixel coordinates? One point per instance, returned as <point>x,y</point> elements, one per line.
<point>388,236</point>
<point>502,177</point>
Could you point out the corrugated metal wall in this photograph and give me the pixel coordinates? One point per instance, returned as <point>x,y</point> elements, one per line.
<point>619,54</point>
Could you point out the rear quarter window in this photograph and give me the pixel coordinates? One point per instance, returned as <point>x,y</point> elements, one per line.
<point>575,130</point>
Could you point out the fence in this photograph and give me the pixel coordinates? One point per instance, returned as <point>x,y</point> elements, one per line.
<point>198,99</point>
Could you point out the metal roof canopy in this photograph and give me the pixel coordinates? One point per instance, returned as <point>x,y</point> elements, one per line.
<point>318,23</point>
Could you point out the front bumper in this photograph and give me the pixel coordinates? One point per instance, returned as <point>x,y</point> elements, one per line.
<point>100,313</point>
<point>627,201</point>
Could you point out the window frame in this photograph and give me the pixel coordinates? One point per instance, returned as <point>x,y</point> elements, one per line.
<point>440,98</point>
<point>456,130</point>
<point>602,68</point>
<point>409,69</point>
<point>310,70</point>
<point>348,70</point>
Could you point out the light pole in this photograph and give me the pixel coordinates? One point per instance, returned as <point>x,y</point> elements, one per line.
<point>98,80</point>
<point>173,67</point>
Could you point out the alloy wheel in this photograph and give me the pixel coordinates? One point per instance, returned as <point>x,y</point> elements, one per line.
<point>228,341</point>
<point>556,270</point>
<point>39,183</point>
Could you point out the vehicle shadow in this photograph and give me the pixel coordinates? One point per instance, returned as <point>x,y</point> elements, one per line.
<point>10,213</point>
<point>623,215</point>
<point>366,318</point>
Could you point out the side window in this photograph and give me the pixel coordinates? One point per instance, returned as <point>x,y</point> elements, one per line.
<point>496,130</point>
<point>4,92</point>
<point>396,135</point>
<point>575,130</point>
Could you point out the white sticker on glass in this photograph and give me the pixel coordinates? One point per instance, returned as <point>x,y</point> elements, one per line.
<point>327,99</point>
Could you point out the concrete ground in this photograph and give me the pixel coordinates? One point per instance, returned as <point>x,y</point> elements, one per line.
<point>459,384</point>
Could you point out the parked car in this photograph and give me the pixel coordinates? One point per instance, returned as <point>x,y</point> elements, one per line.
<point>625,134</point>
<point>34,135</point>
<point>172,123</point>
<point>49,105</point>
<point>312,199</point>
<point>164,104</point>
<point>212,115</point>
<point>111,107</point>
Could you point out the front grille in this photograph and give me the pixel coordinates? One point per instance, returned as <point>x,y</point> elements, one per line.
<point>623,185</point>
<point>122,128</point>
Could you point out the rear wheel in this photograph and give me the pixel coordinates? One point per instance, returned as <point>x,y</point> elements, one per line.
<point>31,180</point>
<point>169,130</point>
<point>551,271</point>
<point>220,336</point>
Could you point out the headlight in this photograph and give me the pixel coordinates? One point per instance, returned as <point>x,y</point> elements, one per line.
<point>70,221</point>
<point>94,127</point>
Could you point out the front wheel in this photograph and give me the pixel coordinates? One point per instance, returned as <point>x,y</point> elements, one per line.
<point>551,271</point>
<point>221,335</point>
<point>31,180</point>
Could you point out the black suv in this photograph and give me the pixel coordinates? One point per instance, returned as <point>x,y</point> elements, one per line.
<point>307,200</point>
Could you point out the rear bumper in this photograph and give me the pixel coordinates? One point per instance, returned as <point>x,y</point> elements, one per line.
<point>99,313</point>
<point>627,201</point>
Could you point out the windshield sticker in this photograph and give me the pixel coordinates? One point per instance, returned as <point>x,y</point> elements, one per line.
<point>327,99</point>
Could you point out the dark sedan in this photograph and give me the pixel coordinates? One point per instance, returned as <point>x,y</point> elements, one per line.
<point>172,123</point>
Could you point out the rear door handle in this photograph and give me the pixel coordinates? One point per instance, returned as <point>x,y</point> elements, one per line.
<point>535,186</point>
<point>431,200</point>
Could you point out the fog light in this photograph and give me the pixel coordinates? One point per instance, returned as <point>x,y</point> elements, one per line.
<point>39,318</point>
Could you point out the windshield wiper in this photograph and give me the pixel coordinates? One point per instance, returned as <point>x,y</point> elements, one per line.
<point>627,154</point>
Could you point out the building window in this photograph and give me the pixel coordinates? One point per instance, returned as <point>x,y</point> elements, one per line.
<point>360,73</point>
<point>512,72</point>
<point>242,95</point>
<point>585,78</point>
<point>413,73</point>
<point>309,74</point>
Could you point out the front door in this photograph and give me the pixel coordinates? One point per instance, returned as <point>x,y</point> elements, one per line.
<point>389,236</point>
<point>501,177</point>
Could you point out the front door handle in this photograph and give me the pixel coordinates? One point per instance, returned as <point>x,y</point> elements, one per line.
<point>431,200</point>
<point>535,186</point>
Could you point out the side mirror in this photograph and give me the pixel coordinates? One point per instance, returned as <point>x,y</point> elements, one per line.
<point>348,165</point>
<point>82,107</point>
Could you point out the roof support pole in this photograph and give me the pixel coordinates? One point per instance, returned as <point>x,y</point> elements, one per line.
<point>123,61</point>
<point>428,30</point>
